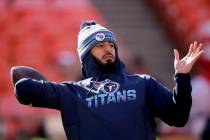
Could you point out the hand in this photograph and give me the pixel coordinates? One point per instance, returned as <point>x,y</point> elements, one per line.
<point>185,64</point>
<point>19,72</point>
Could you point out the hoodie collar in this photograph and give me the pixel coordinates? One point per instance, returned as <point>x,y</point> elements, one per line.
<point>90,68</point>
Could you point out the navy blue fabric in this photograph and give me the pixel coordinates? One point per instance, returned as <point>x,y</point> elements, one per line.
<point>111,106</point>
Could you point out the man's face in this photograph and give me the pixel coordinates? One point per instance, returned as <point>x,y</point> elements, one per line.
<point>104,52</point>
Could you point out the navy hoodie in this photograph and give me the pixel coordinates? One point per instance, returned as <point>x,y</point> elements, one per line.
<point>110,105</point>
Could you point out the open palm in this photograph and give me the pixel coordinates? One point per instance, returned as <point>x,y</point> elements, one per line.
<point>185,64</point>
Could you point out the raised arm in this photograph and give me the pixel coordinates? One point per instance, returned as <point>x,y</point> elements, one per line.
<point>171,107</point>
<point>174,107</point>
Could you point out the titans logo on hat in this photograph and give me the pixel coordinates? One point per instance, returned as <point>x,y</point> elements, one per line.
<point>100,36</point>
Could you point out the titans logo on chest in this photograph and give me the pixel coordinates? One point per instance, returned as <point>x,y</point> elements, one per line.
<point>109,87</point>
<point>106,92</point>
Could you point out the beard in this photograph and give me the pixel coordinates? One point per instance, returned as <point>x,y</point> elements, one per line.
<point>108,67</point>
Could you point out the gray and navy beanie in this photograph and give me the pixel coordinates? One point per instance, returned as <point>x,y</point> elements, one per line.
<point>90,35</point>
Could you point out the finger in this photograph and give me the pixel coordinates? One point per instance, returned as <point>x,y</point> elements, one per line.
<point>176,54</point>
<point>198,49</point>
<point>195,46</point>
<point>193,49</point>
<point>190,50</point>
<point>195,43</point>
<point>197,56</point>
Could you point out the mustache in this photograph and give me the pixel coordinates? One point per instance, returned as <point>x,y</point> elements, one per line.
<point>108,54</point>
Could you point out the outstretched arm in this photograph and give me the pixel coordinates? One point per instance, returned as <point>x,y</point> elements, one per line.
<point>32,88</point>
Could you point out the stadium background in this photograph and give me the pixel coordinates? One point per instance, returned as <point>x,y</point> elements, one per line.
<point>43,34</point>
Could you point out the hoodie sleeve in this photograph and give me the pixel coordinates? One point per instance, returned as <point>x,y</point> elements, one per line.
<point>38,93</point>
<point>171,107</point>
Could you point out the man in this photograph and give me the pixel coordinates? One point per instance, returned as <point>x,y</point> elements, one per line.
<point>109,104</point>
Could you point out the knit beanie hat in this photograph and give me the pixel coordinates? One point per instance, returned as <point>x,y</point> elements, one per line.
<point>90,35</point>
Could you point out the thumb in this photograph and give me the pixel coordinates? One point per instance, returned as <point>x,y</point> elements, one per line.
<point>176,55</point>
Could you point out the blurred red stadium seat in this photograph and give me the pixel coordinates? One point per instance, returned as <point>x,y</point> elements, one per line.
<point>36,33</point>
<point>185,21</point>
<point>5,83</point>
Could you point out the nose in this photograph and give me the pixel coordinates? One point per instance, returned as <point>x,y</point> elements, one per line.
<point>107,47</point>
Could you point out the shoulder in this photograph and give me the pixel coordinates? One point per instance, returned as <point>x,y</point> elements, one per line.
<point>147,79</point>
<point>140,76</point>
<point>77,83</point>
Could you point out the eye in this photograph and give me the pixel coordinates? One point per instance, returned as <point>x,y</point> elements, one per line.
<point>111,45</point>
<point>99,45</point>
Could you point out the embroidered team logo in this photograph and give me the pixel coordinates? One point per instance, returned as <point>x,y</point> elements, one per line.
<point>100,36</point>
<point>110,87</point>
<point>107,86</point>
<point>106,92</point>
